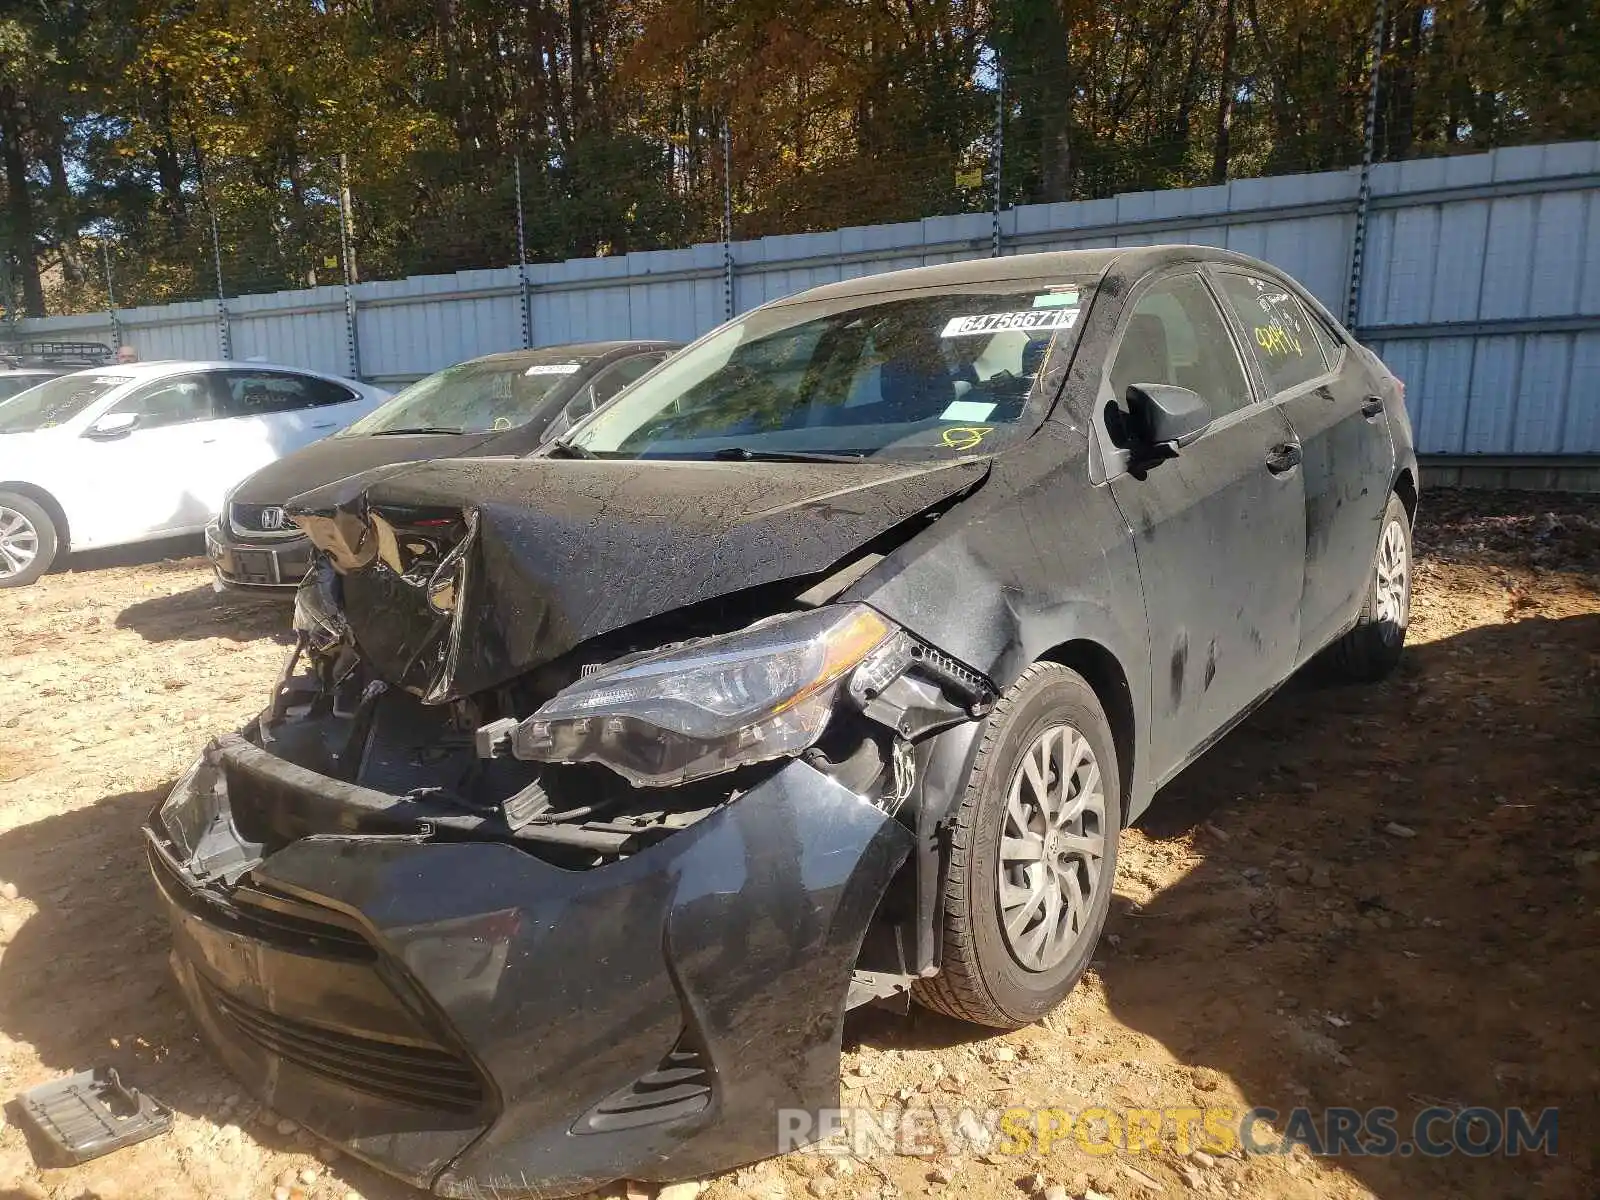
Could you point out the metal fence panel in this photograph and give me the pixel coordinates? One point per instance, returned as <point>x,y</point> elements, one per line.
<point>1480,285</point>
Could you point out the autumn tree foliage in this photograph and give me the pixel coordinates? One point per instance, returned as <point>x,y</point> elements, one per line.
<point>131,129</point>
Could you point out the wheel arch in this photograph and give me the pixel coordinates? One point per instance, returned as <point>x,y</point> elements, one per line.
<point>51,506</point>
<point>1405,486</point>
<point>1105,676</point>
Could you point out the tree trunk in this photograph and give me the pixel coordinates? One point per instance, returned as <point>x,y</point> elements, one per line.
<point>169,167</point>
<point>19,203</point>
<point>1055,167</point>
<point>1221,149</point>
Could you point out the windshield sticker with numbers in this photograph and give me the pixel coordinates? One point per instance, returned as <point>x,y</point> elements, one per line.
<point>1033,320</point>
<point>553,369</point>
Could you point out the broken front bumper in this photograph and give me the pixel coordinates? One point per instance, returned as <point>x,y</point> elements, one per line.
<point>477,1021</point>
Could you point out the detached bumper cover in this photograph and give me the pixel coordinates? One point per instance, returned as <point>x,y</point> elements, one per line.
<point>475,1020</point>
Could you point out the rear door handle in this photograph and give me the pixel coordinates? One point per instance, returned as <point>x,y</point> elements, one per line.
<point>325,425</point>
<point>1285,458</point>
<point>1372,408</point>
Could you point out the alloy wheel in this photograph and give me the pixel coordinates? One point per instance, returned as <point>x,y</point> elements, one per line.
<point>19,542</point>
<point>1052,848</point>
<point>1393,583</point>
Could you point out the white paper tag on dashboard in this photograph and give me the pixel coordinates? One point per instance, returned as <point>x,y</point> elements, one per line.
<point>554,369</point>
<point>967,410</point>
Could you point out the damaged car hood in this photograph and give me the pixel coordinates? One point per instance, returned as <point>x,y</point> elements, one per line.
<point>461,575</point>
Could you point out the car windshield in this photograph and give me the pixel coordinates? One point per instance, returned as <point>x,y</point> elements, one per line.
<point>919,375</point>
<point>54,401</point>
<point>473,397</point>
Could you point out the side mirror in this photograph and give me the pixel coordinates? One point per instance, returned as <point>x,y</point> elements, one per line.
<point>1165,418</point>
<point>113,426</point>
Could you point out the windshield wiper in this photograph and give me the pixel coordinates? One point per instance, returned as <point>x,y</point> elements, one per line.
<point>568,450</point>
<point>415,429</point>
<point>745,454</point>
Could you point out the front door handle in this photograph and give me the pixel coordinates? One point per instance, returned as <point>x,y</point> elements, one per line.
<point>325,425</point>
<point>1372,408</point>
<point>1285,458</point>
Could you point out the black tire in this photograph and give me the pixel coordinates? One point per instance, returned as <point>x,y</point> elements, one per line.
<point>45,542</point>
<point>1373,646</point>
<point>981,978</point>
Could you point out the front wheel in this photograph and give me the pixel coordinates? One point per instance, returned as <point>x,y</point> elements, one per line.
<point>1033,855</point>
<point>28,540</point>
<point>1372,648</point>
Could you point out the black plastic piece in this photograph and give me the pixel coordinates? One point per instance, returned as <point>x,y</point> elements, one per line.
<point>91,1113</point>
<point>45,354</point>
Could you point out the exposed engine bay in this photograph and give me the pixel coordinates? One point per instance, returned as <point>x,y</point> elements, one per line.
<point>604,744</point>
<point>490,765</point>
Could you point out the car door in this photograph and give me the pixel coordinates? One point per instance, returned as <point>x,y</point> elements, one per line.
<point>1344,433</point>
<point>1218,530</point>
<point>154,478</point>
<point>268,414</point>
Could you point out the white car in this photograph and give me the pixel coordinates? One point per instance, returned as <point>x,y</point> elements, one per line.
<point>147,450</point>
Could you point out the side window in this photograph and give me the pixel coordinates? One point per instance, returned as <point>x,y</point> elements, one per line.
<point>258,393</point>
<point>175,401</point>
<point>1177,335</point>
<point>608,383</point>
<point>1332,347</point>
<point>1277,329</point>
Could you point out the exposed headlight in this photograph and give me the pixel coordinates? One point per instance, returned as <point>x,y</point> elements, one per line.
<point>710,705</point>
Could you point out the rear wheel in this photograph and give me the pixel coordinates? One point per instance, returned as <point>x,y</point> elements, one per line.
<point>1033,855</point>
<point>28,540</point>
<point>1373,647</point>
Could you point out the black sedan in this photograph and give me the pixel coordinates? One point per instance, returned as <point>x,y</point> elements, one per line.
<point>498,404</point>
<point>822,667</point>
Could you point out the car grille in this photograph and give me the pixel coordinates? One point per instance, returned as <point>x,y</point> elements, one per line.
<point>420,1076</point>
<point>261,520</point>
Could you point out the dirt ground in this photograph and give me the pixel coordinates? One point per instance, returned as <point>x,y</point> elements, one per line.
<point>1364,896</point>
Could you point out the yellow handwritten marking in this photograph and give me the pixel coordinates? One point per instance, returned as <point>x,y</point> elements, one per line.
<point>1277,341</point>
<point>966,437</point>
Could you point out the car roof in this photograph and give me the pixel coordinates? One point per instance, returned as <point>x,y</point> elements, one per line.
<point>161,367</point>
<point>1128,261</point>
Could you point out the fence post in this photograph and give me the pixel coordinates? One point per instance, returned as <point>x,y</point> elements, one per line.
<point>522,263</point>
<point>727,218</point>
<point>224,333</point>
<point>999,147</point>
<point>111,297</point>
<point>352,337</point>
<point>1358,244</point>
